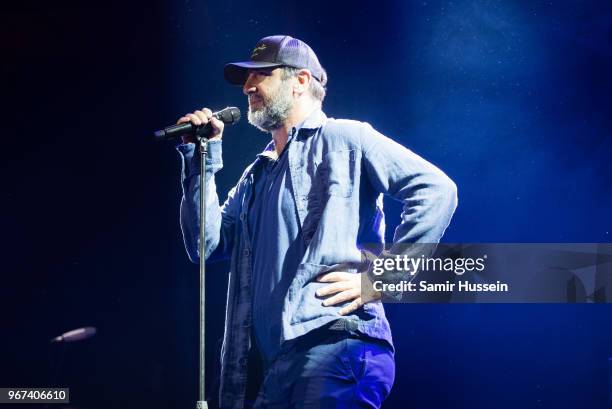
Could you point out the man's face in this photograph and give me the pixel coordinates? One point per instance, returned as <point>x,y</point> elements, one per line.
<point>270,98</point>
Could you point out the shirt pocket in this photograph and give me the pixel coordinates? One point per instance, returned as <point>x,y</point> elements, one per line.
<point>337,171</point>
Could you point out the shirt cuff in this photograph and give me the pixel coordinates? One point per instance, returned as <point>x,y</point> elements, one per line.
<point>191,158</point>
<point>367,267</point>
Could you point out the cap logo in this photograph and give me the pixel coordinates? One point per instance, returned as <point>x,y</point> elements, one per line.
<point>258,49</point>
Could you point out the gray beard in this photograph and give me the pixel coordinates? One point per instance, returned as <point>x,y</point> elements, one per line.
<point>274,110</point>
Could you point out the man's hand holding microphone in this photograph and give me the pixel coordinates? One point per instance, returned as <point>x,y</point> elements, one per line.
<point>202,118</point>
<point>200,124</point>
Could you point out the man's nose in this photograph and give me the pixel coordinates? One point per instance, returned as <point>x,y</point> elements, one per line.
<point>248,87</point>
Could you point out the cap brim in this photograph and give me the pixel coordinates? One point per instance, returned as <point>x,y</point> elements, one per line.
<point>236,72</point>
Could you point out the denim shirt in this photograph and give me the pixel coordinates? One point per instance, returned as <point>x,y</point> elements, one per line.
<point>339,171</point>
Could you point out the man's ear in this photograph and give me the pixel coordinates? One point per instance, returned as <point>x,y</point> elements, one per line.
<point>303,81</point>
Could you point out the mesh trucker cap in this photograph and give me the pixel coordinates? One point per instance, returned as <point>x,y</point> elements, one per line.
<point>276,51</point>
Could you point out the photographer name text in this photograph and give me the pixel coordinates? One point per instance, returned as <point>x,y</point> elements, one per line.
<point>425,286</point>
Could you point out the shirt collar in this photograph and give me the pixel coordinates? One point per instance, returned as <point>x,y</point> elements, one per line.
<point>313,121</point>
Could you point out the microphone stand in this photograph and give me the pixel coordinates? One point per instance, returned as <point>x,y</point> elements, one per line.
<point>201,403</point>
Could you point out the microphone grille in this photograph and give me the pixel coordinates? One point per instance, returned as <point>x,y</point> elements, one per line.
<point>229,115</point>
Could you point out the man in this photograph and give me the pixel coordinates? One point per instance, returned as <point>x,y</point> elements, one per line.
<point>293,226</point>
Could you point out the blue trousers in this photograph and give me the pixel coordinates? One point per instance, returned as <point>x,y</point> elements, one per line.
<point>328,369</point>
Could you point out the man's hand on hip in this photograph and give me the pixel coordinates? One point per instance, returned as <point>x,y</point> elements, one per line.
<point>346,287</point>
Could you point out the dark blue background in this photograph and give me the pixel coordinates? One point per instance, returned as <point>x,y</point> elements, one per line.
<point>511,99</point>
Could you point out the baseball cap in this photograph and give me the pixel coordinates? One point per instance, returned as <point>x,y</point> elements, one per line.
<point>276,51</point>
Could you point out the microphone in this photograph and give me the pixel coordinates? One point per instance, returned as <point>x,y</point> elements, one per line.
<point>229,116</point>
<point>76,335</point>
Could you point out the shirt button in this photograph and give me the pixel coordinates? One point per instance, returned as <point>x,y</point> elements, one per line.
<point>247,252</point>
<point>242,216</point>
